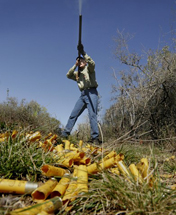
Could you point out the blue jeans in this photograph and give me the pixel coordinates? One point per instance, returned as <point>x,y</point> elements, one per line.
<point>89,100</point>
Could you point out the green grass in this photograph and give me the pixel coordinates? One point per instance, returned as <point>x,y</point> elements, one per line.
<point>108,193</point>
<point>115,195</point>
<point>20,159</point>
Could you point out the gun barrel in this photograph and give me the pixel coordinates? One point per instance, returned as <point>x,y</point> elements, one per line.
<point>79,41</point>
<point>80,28</point>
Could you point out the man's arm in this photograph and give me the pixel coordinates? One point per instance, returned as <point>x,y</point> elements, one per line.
<point>71,73</point>
<point>90,62</point>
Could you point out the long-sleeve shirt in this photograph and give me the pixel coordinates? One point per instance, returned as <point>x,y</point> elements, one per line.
<point>87,77</point>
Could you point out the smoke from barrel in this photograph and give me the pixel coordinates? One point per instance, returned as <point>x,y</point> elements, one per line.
<point>80,7</point>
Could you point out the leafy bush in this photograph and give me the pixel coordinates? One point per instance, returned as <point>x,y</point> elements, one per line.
<point>26,114</point>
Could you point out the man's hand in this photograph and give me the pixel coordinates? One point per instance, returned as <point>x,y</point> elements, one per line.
<point>77,62</point>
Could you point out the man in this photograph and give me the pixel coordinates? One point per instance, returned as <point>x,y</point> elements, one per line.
<point>86,80</point>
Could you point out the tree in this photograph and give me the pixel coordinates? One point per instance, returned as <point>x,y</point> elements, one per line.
<point>144,94</point>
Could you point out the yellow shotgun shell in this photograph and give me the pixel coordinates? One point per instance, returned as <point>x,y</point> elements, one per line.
<point>82,179</point>
<point>71,191</point>
<point>143,167</point>
<point>49,206</point>
<point>75,171</point>
<point>123,169</point>
<point>49,170</point>
<point>59,148</point>
<point>93,168</point>
<point>107,163</point>
<point>35,136</point>
<point>135,173</point>
<point>67,162</point>
<point>14,134</point>
<point>42,192</point>
<point>76,156</point>
<point>84,160</point>
<point>73,148</point>
<point>61,187</point>
<point>110,155</point>
<point>17,186</point>
<point>49,135</point>
<point>119,157</point>
<point>67,144</point>
<point>53,137</point>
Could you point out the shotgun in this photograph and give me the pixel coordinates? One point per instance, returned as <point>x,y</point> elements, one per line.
<point>79,40</point>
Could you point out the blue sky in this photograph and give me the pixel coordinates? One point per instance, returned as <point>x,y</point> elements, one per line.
<point>38,45</point>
